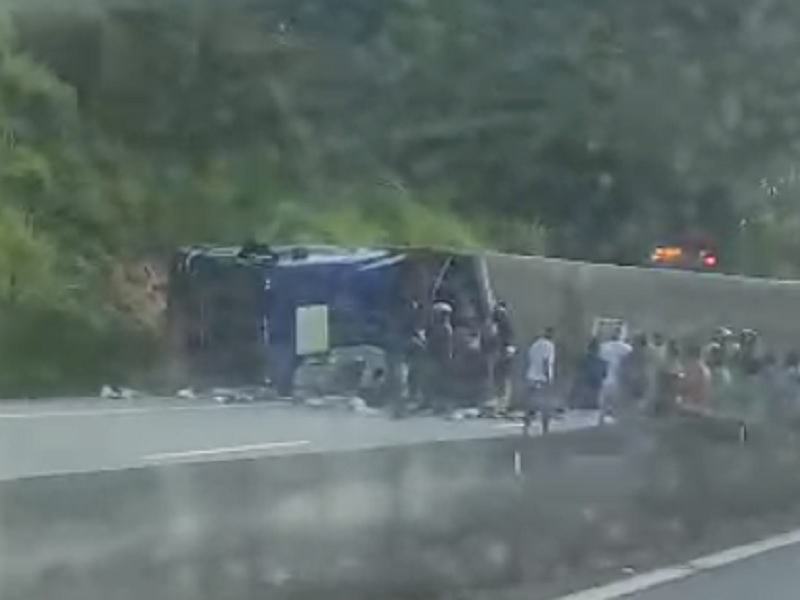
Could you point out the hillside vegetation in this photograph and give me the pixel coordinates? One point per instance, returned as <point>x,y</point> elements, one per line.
<point>578,129</point>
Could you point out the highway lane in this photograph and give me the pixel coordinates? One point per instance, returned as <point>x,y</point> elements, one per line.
<point>774,575</point>
<point>768,568</point>
<point>90,435</point>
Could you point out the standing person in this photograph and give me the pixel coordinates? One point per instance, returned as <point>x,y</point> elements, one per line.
<point>772,384</point>
<point>722,338</point>
<point>792,365</point>
<point>748,355</point>
<point>636,375</point>
<point>612,352</point>
<point>502,357</point>
<point>658,357</point>
<point>791,387</point>
<point>591,372</point>
<point>769,368</point>
<point>440,339</point>
<point>721,378</point>
<point>415,365</point>
<point>696,386</point>
<point>394,376</point>
<point>669,375</point>
<point>539,377</point>
<point>470,365</point>
<point>416,356</point>
<point>658,347</point>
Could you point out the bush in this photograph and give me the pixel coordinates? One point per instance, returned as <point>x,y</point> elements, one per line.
<point>48,350</point>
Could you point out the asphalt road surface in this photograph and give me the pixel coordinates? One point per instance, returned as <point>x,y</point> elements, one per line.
<point>774,575</point>
<point>768,569</point>
<point>41,438</point>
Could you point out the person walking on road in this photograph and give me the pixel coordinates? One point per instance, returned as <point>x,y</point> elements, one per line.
<point>539,377</point>
<point>612,352</point>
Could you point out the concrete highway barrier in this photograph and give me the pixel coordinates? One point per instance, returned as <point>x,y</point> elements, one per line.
<point>365,524</point>
<point>409,517</point>
<point>570,295</point>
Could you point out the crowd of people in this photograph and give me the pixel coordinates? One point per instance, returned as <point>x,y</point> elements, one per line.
<point>450,360</point>
<point>729,375</point>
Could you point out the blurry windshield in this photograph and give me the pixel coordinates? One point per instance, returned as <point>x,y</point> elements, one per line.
<point>283,246</point>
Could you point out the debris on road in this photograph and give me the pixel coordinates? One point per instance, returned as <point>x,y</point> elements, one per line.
<point>109,392</point>
<point>186,394</point>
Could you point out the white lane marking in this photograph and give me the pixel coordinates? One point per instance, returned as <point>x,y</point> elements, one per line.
<point>111,412</point>
<point>167,456</point>
<point>646,581</point>
<point>627,587</point>
<point>740,553</point>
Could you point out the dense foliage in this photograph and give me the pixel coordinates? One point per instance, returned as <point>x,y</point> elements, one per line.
<point>579,129</point>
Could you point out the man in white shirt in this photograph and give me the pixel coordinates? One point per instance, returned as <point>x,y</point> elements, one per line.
<point>612,352</point>
<point>539,376</point>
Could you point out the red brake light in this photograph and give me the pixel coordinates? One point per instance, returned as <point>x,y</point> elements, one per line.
<point>710,260</point>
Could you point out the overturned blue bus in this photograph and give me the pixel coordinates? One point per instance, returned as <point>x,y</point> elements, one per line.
<point>232,310</point>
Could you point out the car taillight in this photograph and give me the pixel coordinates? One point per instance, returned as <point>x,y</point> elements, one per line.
<point>710,260</point>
